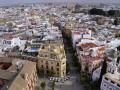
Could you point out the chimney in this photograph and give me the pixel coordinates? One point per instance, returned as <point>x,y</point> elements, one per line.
<point>25,76</point>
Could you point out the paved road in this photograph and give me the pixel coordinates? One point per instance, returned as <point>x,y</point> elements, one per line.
<point>72,84</point>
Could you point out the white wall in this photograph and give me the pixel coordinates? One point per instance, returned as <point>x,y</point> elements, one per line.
<point>17,42</point>
<point>86,36</point>
<point>114,43</point>
<point>107,85</point>
<point>96,74</point>
<point>75,39</point>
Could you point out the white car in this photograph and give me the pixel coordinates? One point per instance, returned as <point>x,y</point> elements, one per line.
<point>51,78</point>
<point>59,80</point>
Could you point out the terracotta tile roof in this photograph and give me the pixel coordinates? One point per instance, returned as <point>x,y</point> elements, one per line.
<point>90,45</point>
<point>86,51</point>
<point>84,45</point>
<point>101,49</point>
<point>10,38</point>
<point>100,55</point>
<point>90,58</point>
<point>6,36</point>
<point>2,55</point>
<point>76,33</point>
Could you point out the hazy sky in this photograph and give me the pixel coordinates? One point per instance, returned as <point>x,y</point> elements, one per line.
<point>38,1</point>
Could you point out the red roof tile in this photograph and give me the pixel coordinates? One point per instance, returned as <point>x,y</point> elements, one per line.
<point>86,50</point>
<point>90,45</point>
<point>6,35</point>
<point>9,38</point>
<point>101,49</point>
<point>2,55</point>
<point>90,58</point>
<point>76,33</point>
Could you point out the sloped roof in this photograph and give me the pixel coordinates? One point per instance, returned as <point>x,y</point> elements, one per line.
<point>7,75</point>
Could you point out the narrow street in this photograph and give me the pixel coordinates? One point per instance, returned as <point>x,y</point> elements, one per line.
<point>73,83</point>
<point>75,76</point>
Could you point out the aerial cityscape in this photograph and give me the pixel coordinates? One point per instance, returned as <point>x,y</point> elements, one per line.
<point>59,45</point>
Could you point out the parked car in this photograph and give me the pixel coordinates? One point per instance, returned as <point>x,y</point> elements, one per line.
<point>56,79</point>
<point>59,80</point>
<point>51,78</point>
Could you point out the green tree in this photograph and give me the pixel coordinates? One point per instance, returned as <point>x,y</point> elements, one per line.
<point>95,11</point>
<point>51,73</point>
<point>43,85</point>
<point>67,68</point>
<point>116,22</point>
<point>111,12</point>
<point>53,85</point>
<point>79,67</point>
<point>40,71</point>
<point>118,59</point>
<point>94,85</point>
<point>118,48</point>
<point>103,70</point>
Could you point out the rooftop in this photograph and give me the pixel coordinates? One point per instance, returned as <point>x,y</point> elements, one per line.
<point>112,77</point>
<point>16,80</point>
<point>7,75</point>
<point>90,58</point>
<point>52,48</point>
<point>88,45</point>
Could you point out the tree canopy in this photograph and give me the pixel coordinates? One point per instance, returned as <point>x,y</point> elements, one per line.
<point>111,12</point>
<point>95,11</point>
<point>43,85</point>
<point>116,22</point>
<point>103,70</point>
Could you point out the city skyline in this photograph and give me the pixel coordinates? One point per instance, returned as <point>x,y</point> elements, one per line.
<point>47,1</point>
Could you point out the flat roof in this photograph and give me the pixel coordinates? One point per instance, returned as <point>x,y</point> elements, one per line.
<point>112,77</point>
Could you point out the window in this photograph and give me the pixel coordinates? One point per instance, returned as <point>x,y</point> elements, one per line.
<point>112,82</point>
<point>8,42</point>
<point>57,64</point>
<point>51,62</point>
<point>118,85</point>
<point>110,88</point>
<point>2,50</point>
<point>106,78</point>
<point>57,69</point>
<point>41,61</point>
<point>112,71</point>
<point>52,68</point>
<point>63,73</point>
<point>105,85</point>
<point>42,66</point>
<point>46,62</point>
<point>45,55</point>
<point>46,67</point>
